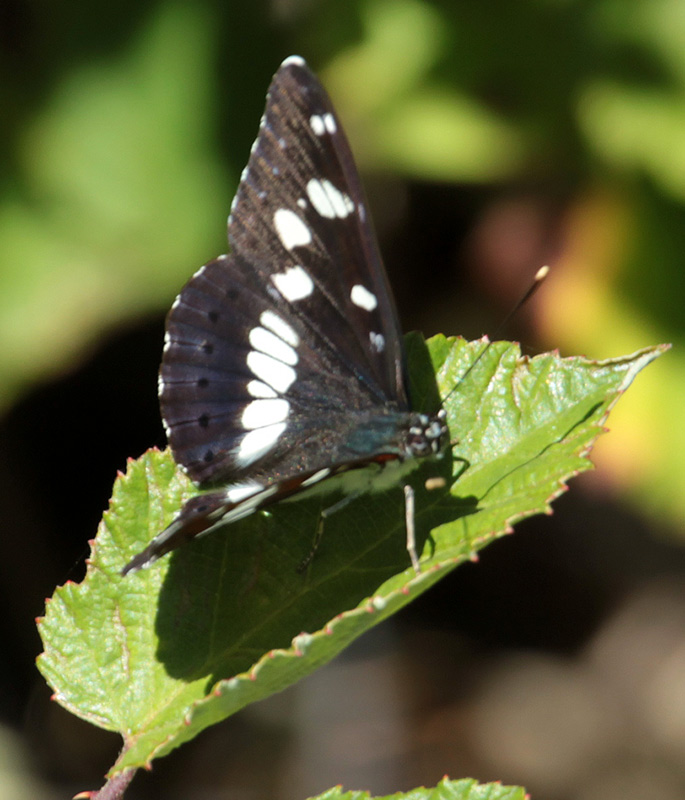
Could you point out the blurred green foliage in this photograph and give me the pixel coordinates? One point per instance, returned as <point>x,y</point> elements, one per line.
<point>116,191</point>
<point>126,126</point>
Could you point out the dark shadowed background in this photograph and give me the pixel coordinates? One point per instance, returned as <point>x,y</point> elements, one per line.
<point>492,138</point>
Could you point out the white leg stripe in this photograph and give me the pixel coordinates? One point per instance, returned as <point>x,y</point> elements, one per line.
<point>290,229</point>
<point>272,345</point>
<point>280,327</point>
<point>259,389</point>
<point>261,413</point>
<point>293,284</point>
<point>258,442</point>
<point>276,374</point>
<point>363,298</point>
<point>329,201</point>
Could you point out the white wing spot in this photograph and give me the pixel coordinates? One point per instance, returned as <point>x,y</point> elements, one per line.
<point>261,413</point>
<point>276,374</point>
<point>246,502</point>
<point>279,326</point>
<point>296,61</point>
<point>290,228</point>
<point>272,345</point>
<point>377,341</point>
<point>258,442</point>
<point>240,491</point>
<point>293,284</point>
<point>363,298</point>
<point>329,122</point>
<point>318,125</point>
<point>329,201</point>
<point>259,389</point>
<point>302,203</point>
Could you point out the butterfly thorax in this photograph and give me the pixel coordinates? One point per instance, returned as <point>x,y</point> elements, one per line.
<point>391,434</point>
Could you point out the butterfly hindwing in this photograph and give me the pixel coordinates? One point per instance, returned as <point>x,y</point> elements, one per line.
<point>250,390</point>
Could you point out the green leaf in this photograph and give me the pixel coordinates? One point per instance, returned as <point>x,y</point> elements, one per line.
<point>445,790</point>
<point>228,620</point>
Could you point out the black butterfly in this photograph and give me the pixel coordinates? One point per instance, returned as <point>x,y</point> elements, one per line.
<point>283,362</point>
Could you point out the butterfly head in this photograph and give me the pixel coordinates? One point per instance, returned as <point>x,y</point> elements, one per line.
<point>426,435</point>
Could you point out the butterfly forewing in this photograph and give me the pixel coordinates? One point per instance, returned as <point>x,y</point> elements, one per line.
<point>300,203</point>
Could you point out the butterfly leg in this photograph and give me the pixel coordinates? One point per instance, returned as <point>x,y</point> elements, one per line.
<point>327,512</point>
<point>411,532</point>
<point>409,523</point>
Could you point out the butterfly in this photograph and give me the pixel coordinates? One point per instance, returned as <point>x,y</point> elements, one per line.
<point>283,365</point>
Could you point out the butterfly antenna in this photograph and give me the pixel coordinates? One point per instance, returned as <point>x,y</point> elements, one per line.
<point>539,277</point>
